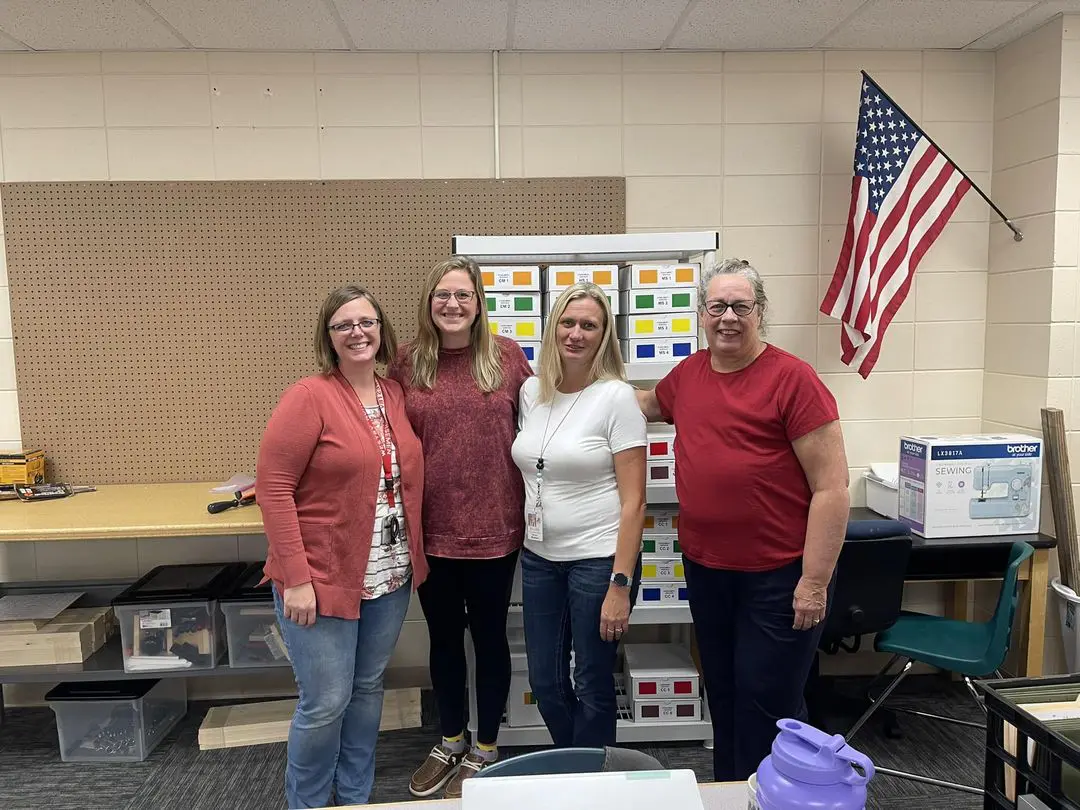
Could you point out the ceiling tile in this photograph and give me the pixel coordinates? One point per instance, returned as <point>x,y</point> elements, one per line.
<point>288,25</point>
<point>924,23</point>
<point>9,44</point>
<point>426,25</point>
<point>761,25</point>
<point>609,25</point>
<point>107,25</point>
<point>1025,23</point>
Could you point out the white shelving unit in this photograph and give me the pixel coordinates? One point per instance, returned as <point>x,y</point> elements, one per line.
<point>687,246</point>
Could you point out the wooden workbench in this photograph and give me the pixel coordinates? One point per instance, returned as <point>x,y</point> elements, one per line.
<point>125,512</point>
<point>135,511</point>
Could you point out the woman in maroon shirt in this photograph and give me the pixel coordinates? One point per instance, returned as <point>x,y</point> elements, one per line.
<point>461,394</point>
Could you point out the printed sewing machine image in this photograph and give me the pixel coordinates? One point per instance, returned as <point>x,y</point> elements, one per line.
<point>1004,491</point>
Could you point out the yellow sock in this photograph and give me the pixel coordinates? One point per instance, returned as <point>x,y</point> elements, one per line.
<point>487,748</point>
<point>455,744</point>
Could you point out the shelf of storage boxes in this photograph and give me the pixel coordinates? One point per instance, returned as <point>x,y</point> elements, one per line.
<point>658,315</point>
<point>513,305</point>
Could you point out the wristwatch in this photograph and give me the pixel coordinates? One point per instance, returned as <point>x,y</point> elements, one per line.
<point>621,580</point>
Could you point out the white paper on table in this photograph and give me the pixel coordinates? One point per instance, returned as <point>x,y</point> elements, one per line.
<point>886,472</point>
<point>235,484</point>
<point>39,606</point>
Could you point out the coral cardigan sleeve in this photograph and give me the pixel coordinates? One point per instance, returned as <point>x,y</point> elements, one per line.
<point>284,453</point>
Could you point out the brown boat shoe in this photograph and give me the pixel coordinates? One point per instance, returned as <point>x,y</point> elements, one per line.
<point>470,767</point>
<point>435,771</point>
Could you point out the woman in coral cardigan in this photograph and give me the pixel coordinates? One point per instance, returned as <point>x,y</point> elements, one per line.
<point>340,484</point>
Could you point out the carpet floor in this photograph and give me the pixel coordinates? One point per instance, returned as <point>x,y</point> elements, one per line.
<point>178,776</point>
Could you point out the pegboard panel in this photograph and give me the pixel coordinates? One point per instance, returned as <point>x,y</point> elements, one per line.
<point>157,323</point>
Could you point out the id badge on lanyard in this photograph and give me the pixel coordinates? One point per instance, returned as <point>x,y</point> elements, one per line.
<point>534,512</point>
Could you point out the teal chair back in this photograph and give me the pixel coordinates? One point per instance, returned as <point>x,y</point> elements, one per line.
<point>1002,621</point>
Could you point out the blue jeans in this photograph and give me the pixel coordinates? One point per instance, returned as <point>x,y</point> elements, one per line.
<point>339,665</point>
<point>754,662</point>
<point>562,602</point>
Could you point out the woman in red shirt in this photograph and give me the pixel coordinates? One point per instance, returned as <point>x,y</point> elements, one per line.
<point>762,481</point>
<point>461,393</point>
<point>339,481</point>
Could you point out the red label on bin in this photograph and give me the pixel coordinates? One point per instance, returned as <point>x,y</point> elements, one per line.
<point>651,710</point>
<point>684,710</point>
<point>683,688</point>
<point>658,448</point>
<point>647,688</point>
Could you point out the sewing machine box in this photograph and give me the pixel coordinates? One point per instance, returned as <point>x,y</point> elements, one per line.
<point>960,486</point>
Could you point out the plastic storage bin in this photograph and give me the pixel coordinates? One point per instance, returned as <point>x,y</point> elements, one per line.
<point>170,620</point>
<point>254,636</point>
<point>1032,741</point>
<point>116,721</point>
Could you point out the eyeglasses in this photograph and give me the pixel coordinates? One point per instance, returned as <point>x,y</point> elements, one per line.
<point>366,325</point>
<point>462,296</point>
<point>740,308</point>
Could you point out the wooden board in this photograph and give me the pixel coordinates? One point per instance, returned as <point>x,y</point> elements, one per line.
<point>70,638</point>
<point>268,722</point>
<point>157,323</point>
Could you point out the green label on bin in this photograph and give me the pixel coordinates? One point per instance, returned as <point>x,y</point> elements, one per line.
<point>644,302</point>
<point>648,546</point>
<point>680,300</point>
<point>523,304</point>
<point>491,304</point>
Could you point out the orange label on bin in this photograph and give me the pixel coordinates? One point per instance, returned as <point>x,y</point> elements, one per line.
<point>602,277</point>
<point>488,278</point>
<point>522,278</point>
<point>684,274</point>
<point>648,276</point>
<point>564,278</point>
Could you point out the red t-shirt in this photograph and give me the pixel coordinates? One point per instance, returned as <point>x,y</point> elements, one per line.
<point>474,497</point>
<point>743,496</point>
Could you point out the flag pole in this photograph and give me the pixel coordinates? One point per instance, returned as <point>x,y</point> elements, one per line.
<point>1017,235</point>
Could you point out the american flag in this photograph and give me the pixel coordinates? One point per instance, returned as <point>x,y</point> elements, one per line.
<point>903,192</point>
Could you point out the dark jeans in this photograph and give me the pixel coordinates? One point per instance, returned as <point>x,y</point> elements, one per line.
<point>460,593</point>
<point>755,663</point>
<point>562,602</point>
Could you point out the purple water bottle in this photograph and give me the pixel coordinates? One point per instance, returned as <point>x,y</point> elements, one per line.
<point>811,769</point>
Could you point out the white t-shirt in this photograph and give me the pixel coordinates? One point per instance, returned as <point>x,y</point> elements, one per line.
<point>579,494</point>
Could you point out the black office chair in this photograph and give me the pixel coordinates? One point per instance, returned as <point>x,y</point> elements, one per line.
<point>867,597</point>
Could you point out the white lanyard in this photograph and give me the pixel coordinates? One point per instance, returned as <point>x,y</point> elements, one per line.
<point>547,440</point>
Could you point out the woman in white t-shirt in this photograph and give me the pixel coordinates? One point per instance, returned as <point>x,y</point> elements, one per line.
<point>581,451</point>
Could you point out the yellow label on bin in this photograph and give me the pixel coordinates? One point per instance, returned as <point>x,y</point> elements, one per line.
<point>680,325</point>
<point>643,327</point>
<point>526,329</point>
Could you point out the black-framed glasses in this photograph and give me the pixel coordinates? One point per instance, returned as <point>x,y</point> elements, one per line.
<point>740,308</point>
<point>462,296</point>
<point>366,324</point>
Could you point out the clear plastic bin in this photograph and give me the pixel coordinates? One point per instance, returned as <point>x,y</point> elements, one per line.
<point>116,721</point>
<point>254,636</point>
<point>169,619</point>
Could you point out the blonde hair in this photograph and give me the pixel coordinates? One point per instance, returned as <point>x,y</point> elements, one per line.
<point>325,356</point>
<point>486,357</point>
<point>608,363</point>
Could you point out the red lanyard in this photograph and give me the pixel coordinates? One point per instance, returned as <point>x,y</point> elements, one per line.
<point>385,440</point>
